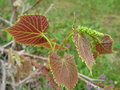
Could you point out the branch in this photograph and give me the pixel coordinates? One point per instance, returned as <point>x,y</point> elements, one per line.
<point>14,18</point>
<point>36,57</point>
<point>88,82</point>
<point>3,85</point>
<point>28,78</point>
<point>14,13</point>
<point>4,20</point>
<point>6,45</point>
<point>45,71</point>
<point>49,8</point>
<point>37,2</point>
<point>15,85</point>
<point>25,54</point>
<point>12,79</point>
<point>88,78</point>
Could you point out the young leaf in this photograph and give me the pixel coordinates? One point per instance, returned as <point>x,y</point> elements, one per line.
<point>105,47</point>
<point>29,29</point>
<point>83,49</point>
<point>64,69</point>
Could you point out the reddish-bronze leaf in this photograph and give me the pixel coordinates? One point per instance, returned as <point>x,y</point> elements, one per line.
<point>64,69</point>
<point>83,49</point>
<point>105,47</point>
<point>29,28</point>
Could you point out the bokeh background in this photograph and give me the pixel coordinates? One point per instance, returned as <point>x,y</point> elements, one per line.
<point>101,15</point>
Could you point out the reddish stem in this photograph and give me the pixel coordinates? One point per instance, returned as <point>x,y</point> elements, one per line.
<point>45,72</point>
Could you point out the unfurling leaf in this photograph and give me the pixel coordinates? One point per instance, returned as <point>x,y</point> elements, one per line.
<point>105,47</point>
<point>29,29</point>
<point>83,49</point>
<point>64,69</point>
<point>89,31</point>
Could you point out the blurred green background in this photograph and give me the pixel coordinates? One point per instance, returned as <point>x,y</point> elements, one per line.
<point>101,15</point>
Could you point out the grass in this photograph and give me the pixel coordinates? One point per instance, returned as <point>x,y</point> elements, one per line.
<point>101,15</point>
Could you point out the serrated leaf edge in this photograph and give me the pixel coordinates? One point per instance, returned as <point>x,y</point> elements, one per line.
<point>55,78</point>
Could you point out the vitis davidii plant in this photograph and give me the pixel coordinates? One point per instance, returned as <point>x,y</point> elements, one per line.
<point>31,29</point>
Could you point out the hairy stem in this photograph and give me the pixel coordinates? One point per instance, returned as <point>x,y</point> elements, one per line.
<point>66,40</point>
<point>89,31</point>
<point>47,40</point>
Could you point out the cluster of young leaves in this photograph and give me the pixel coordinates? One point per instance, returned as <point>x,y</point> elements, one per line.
<point>102,46</point>
<point>30,30</point>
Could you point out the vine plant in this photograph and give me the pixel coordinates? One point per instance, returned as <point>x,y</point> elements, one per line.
<point>30,30</point>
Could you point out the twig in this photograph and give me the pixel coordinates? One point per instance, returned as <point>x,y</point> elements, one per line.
<point>14,19</point>
<point>88,82</point>
<point>15,85</point>
<point>25,54</point>
<point>11,18</point>
<point>6,45</point>
<point>3,85</point>
<point>88,78</point>
<point>12,79</point>
<point>27,78</point>
<point>4,20</point>
<point>45,71</point>
<point>14,13</point>
<point>49,8</point>
<point>37,2</point>
<point>36,57</point>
